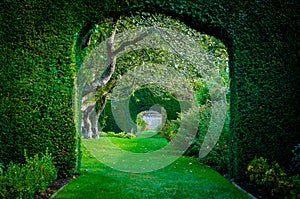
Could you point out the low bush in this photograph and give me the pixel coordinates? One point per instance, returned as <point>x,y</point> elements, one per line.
<point>170,129</point>
<point>273,178</point>
<point>218,158</point>
<point>257,169</point>
<point>120,135</point>
<point>27,180</point>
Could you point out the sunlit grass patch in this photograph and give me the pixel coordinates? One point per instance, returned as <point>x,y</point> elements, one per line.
<point>184,178</point>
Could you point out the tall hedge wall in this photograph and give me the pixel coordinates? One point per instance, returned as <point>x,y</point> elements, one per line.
<point>38,65</point>
<point>37,73</point>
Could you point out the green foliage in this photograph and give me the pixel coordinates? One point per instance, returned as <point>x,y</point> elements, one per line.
<point>202,94</point>
<point>27,180</point>
<point>144,98</point>
<point>141,123</point>
<point>2,167</point>
<point>37,79</point>
<point>218,158</point>
<point>170,129</point>
<point>141,100</point>
<point>40,59</point>
<point>273,178</point>
<point>257,169</point>
<point>265,119</point>
<point>295,162</point>
<point>119,135</point>
<point>106,120</point>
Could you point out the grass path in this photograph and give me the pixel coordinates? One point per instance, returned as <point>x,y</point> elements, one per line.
<point>185,178</point>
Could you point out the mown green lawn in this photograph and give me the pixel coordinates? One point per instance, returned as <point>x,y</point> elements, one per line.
<point>184,178</point>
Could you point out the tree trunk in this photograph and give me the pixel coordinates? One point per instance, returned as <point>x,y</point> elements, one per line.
<point>90,128</point>
<point>86,122</point>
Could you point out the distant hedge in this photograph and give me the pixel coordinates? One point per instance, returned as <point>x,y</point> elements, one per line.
<point>142,99</point>
<point>39,42</point>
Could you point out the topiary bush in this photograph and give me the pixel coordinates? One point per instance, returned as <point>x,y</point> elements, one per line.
<point>144,98</point>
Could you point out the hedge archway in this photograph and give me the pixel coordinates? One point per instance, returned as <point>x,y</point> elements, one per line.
<point>38,42</point>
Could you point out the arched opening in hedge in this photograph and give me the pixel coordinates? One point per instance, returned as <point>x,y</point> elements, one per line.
<point>261,39</point>
<point>209,44</point>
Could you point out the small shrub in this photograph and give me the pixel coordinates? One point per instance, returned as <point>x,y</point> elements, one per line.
<point>256,170</point>
<point>273,178</point>
<point>294,186</point>
<point>120,135</point>
<point>170,129</point>
<point>125,135</point>
<point>218,158</point>
<point>111,134</point>
<point>27,180</point>
<point>102,134</point>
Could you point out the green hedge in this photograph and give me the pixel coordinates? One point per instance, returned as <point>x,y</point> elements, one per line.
<point>106,120</point>
<point>37,78</point>
<point>141,100</point>
<point>38,66</point>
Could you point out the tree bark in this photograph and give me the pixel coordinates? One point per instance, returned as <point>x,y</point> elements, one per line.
<point>90,120</point>
<point>86,124</point>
